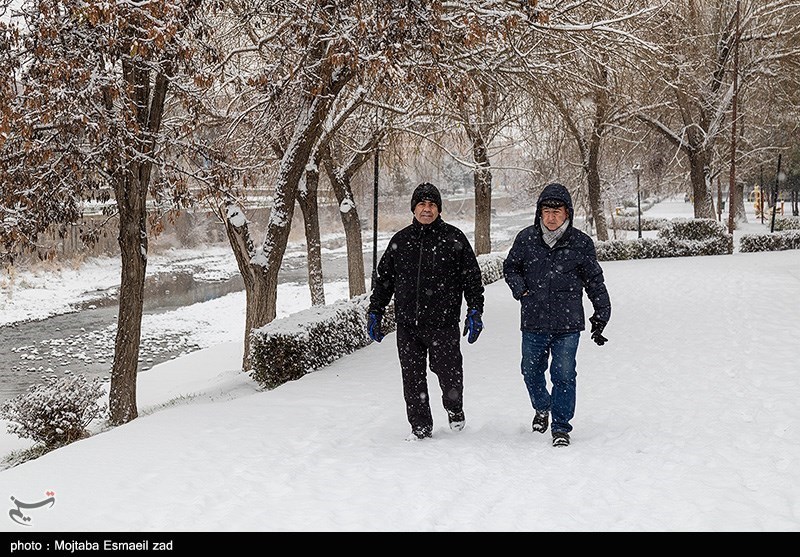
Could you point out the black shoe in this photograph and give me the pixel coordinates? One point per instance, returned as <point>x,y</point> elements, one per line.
<point>541,421</point>
<point>560,439</point>
<point>421,433</point>
<point>457,420</point>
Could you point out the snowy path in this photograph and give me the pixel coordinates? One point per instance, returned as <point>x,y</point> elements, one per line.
<point>686,421</point>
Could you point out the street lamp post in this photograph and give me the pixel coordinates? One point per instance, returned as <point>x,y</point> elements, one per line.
<point>637,169</point>
<point>375,220</point>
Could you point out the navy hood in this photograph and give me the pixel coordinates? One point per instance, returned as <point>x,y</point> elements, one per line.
<point>555,191</point>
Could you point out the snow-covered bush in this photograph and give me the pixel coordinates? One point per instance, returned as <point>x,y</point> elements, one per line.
<point>640,248</point>
<point>632,223</point>
<point>679,238</point>
<point>287,349</point>
<point>693,229</point>
<point>491,265</point>
<point>631,209</point>
<point>789,239</point>
<point>787,223</point>
<point>55,412</point>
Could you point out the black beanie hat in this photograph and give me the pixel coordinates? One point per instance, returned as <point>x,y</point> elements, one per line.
<point>426,192</point>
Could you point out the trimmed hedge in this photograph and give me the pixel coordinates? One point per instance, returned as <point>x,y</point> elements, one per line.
<point>679,238</point>
<point>787,223</point>
<point>491,265</point>
<point>777,241</point>
<point>632,223</point>
<point>287,349</point>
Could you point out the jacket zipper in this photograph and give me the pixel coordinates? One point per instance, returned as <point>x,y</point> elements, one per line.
<point>419,273</point>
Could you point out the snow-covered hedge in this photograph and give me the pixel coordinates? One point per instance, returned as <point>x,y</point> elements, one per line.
<point>491,265</point>
<point>630,208</point>
<point>632,223</point>
<point>789,239</point>
<point>679,238</point>
<point>55,412</point>
<point>288,348</point>
<point>787,223</point>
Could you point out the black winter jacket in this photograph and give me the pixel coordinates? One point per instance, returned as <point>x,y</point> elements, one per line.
<point>428,268</point>
<point>553,279</point>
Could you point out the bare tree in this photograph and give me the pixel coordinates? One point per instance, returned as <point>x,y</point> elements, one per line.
<point>687,88</point>
<point>309,53</point>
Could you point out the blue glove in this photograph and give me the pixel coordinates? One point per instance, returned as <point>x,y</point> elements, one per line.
<point>374,326</point>
<point>473,325</point>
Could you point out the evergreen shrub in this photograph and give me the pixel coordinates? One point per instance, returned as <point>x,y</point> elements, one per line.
<point>787,223</point>
<point>777,241</point>
<point>632,223</point>
<point>678,238</point>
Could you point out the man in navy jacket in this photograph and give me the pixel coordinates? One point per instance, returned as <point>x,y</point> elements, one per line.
<point>548,268</point>
<point>429,267</point>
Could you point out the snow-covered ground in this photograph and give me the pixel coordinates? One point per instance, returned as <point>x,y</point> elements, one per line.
<point>686,420</point>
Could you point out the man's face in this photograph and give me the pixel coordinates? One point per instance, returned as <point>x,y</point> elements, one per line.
<point>426,212</point>
<point>553,218</point>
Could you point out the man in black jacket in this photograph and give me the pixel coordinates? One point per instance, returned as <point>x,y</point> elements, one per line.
<point>548,268</point>
<point>428,267</point>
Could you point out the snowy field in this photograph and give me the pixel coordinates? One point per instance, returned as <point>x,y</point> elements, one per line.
<point>686,420</point>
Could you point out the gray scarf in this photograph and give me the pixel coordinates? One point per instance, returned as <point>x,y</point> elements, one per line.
<point>550,237</point>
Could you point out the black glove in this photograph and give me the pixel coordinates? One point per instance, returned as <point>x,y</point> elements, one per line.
<point>473,325</point>
<point>374,326</point>
<point>597,329</point>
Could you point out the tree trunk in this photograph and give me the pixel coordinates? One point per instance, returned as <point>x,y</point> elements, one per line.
<point>307,199</point>
<point>348,211</point>
<point>701,184</point>
<point>133,253</point>
<point>354,241</point>
<point>593,181</point>
<point>478,132</point>
<point>253,276</point>
<point>482,179</point>
<point>130,192</point>
<point>307,130</point>
<point>601,102</point>
<point>741,214</point>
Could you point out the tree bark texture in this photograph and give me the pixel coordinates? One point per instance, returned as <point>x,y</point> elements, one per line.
<point>133,249</point>
<point>483,200</point>
<point>352,233</point>
<point>130,190</point>
<point>307,199</point>
<point>253,276</point>
<point>340,178</point>
<point>478,123</point>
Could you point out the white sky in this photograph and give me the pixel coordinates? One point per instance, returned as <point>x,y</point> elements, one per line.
<point>686,420</point>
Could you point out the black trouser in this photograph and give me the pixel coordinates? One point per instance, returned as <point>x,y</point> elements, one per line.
<point>414,345</point>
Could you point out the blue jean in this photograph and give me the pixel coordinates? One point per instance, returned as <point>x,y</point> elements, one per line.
<point>537,348</point>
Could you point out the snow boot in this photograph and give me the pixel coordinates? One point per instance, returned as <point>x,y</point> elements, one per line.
<point>560,439</point>
<point>420,433</point>
<point>457,420</point>
<point>541,421</point>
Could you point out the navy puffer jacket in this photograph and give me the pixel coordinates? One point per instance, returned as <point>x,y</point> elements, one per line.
<point>553,279</point>
<point>429,269</point>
